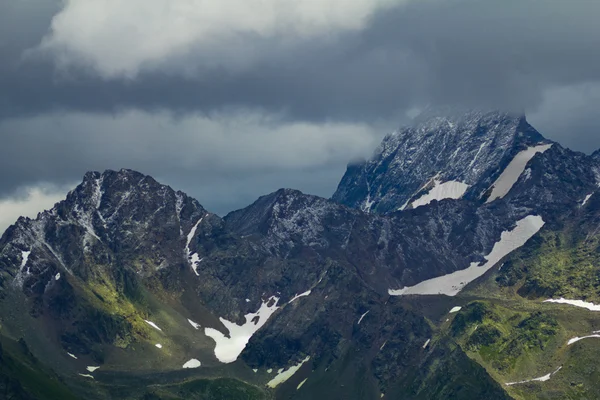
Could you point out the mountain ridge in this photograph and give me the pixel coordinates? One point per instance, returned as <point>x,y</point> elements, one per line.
<point>298,296</point>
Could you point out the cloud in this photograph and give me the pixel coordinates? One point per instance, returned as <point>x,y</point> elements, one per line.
<point>201,154</point>
<point>28,203</point>
<point>246,102</point>
<point>120,38</point>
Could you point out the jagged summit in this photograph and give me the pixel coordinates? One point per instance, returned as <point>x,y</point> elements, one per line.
<point>441,155</point>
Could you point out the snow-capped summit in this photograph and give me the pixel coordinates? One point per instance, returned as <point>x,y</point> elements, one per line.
<point>444,154</point>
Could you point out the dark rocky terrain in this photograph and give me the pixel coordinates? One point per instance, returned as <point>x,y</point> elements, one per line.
<point>133,277</point>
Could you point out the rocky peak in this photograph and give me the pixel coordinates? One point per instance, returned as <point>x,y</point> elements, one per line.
<point>106,220</point>
<point>444,153</point>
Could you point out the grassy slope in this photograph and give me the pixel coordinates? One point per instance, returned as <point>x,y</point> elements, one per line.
<point>23,377</point>
<point>562,263</point>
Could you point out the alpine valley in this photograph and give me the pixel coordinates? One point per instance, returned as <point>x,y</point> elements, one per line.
<point>462,261</point>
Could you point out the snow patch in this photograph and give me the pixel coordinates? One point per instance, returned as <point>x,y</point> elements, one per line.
<point>587,198</point>
<point>454,282</point>
<point>152,324</point>
<point>72,355</point>
<point>57,276</point>
<point>255,370</point>
<point>301,383</point>
<point>362,316</point>
<point>454,309</point>
<point>194,324</point>
<point>193,363</point>
<point>91,369</point>
<point>158,345</point>
<point>87,376</point>
<point>283,376</point>
<point>195,260</point>
<point>426,343</point>
<point>576,303</point>
<point>513,171</point>
<point>227,349</point>
<point>540,379</point>
<point>440,191</point>
<point>270,370</point>
<point>577,339</point>
<point>300,295</point>
<point>247,300</point>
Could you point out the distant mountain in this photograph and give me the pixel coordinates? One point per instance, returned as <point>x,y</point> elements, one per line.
<point>424,277</point>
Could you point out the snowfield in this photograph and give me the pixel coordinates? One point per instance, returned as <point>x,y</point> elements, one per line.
<point>441,191</point>
<point>227,349</point>
<point>452,284</point>
<point>283,376</point>
<point>513,171</point>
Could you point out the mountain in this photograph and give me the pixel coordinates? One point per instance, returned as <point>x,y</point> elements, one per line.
<point>443,156</point>
<point>425,276</point>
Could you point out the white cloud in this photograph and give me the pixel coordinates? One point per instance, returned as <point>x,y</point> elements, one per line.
<point>35,200</point>
<point>118,37</point>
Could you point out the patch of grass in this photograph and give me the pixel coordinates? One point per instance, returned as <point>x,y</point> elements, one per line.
<point>500,337</point>
<point>209,389</point>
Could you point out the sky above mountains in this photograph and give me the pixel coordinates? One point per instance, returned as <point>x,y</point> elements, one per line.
<point>229,100</point>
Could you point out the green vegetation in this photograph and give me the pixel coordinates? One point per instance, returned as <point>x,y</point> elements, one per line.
<point>22,377</point>
<point>208,389</point>
<point>502,338</point>
<point>559,264</point>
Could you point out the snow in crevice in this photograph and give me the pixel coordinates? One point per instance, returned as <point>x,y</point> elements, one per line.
<point>361,317</point>
<point>587,198</point>
<point>576,303</point>
<point>368,202</point>
<point>284,375</point>
<point>426,343</point>
<point>87,376</point>
<point>227,349</point>
<point>178,208</point>
<point>477,154</point>
<point>194,324</point>
<point>24,259</point>
<point>308,292</point>
<point>20,276</point>
<point>441,191</point>
<point>540,379</point>
<point>451,284</point>
<point>152,324</point>
<point>193,363</point>
<point>194,259</point>
<point>513,171</point>
<point>72,355</point>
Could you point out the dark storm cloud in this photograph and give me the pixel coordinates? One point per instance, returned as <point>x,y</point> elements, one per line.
<point>519,54</point>
<point>504,53</point>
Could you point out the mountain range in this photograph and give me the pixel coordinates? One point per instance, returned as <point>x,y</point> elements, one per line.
<point>461,261</point>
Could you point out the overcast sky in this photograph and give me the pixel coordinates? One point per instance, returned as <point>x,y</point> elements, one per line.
<point>231,99</point>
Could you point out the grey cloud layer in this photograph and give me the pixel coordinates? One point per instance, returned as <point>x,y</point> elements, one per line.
<point>536,55</point>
